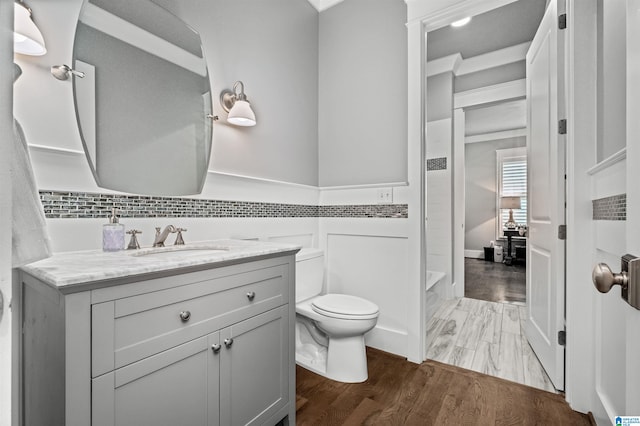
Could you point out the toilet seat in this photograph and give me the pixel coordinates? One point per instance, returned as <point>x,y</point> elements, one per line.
<point>344,306</point>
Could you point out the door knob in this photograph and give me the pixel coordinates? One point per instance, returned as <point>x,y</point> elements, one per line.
<point>215,348</point>
<point>604,278</point>
<point>185,316</point>
<point>228,342</point>
<point>628,279</point>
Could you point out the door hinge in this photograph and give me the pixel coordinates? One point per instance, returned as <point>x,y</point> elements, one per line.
<point>562,21</point>
<point>562,126</point>
<point>562,232</point>
<point>562,338</point>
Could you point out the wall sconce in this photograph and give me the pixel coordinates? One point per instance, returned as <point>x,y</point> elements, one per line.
<point>236,104</point>
<point>27,38</point>
<point>510,203</point>
<point>63,72</point>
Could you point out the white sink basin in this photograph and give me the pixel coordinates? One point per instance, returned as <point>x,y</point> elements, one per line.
<point>180,251</point>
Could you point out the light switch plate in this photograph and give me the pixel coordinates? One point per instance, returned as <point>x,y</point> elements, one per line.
<point>385,196</point>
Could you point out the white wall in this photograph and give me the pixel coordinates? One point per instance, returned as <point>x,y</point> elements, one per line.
<point>362,93</point>
<point>368,257</point>
<point>611,78</point>
<point>439,201</point>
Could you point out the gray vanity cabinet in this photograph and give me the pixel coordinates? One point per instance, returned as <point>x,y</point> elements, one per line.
<point>176,387</point>
<point>204,347</point>
<point>237,376</point>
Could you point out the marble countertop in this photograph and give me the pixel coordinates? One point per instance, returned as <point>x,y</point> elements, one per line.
<point>74,268</point>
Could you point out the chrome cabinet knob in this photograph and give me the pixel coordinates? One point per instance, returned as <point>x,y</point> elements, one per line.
<point>185,316</point>
<point>215,348</point>
<point>228,342</point>
<point>603,278</point>
<point>251,295</point>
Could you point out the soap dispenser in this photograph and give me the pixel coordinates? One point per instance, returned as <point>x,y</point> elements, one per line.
<point>113,234</point>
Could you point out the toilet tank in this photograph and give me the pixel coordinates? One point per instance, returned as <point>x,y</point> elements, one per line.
<point>309,273</point>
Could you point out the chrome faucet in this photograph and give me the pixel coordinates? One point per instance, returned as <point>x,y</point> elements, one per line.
<point>161,236</point>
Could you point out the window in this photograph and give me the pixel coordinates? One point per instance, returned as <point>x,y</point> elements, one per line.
<point>512,182</point>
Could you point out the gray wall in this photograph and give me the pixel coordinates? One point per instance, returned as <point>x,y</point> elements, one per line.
<point>440,96</point>
<point>271,46</point>
<point>480,190</point>
<point>363,91</point>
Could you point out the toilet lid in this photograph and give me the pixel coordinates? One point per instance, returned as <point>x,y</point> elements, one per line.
<point>343,305</point>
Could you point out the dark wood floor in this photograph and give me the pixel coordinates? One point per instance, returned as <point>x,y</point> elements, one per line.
<point>494,282</point>
<point>402,393</point>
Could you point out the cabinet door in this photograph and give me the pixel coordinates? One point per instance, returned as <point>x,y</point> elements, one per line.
<point>179,386</point>
<point>254,368</point>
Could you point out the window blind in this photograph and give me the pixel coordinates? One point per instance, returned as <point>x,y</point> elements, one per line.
<point>513,183</point>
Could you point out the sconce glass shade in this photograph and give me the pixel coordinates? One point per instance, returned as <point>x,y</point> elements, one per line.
<point>27,38</point>
<point>241,114</point>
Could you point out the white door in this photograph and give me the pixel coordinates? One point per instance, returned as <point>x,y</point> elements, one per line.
<point>617,324</point>
<point>546,158</point>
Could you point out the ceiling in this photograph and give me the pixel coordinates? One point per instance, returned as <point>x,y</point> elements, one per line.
<point>321,5</point>
<point>505,26</point>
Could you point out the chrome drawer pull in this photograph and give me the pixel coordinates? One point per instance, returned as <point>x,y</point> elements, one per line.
<point>215,348</point>
<point>251,295</point>
<point>185,315</point>
<point>228,342</point>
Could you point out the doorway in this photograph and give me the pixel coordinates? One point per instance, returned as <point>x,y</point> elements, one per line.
<point>475,99</point>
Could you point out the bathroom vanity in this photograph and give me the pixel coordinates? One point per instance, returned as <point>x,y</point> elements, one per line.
<point>203,335</point>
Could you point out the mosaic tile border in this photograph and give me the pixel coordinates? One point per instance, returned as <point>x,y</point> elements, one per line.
<point>610,208</point>
<point>85,205</point>
<point>436,164</point>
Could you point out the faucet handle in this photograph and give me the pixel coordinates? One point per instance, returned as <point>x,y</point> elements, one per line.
<point>179,239</point>
<point>133,243</point>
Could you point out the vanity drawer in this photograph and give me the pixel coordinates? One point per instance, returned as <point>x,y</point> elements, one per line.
<point>132,328</point>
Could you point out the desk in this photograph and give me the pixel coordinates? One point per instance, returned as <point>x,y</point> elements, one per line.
<point>509,233</point>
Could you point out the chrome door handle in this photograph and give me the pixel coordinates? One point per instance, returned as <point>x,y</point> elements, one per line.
<point>228,342</point>
<point>251,295</point>
<point>185,316</point>
<point>603,278</point>
<point>215,348</point>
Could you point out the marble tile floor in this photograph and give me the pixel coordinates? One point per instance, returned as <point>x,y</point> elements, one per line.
<point>486,337</point>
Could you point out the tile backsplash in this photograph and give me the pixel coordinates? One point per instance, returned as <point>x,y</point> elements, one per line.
<point>610,208</point>
<point>80,205</point>
<point>436,164</point>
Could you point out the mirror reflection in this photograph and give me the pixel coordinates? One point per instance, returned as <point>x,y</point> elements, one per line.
<point>143,103</point>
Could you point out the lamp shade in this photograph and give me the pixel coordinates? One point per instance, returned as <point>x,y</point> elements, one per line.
<point>241,114</point>
<point>510,203</point>
<point>27,38</point>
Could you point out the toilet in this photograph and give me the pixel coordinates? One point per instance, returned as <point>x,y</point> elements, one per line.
<point>330,328</point>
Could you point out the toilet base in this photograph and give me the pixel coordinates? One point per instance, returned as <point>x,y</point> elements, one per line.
<point>347,360</point>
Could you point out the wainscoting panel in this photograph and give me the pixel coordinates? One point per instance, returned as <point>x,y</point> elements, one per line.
<point>373,267</point>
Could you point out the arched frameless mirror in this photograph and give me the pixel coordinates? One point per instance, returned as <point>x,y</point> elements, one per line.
<point>143,104</point>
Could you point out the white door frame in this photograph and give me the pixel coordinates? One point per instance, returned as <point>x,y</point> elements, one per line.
<point>6,153</point>
<point>426,15</point>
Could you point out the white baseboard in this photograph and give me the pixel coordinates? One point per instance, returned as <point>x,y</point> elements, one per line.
<point>392,341</point>
<point>474,254</point>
